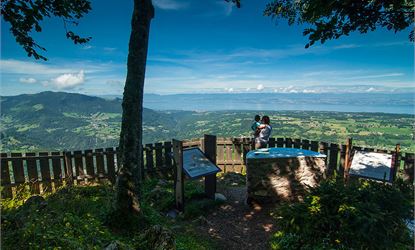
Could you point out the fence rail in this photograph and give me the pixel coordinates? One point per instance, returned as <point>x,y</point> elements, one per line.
<point>46,171</point>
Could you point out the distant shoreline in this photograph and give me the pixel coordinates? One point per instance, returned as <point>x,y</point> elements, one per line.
<point>356,103</point>
<point>387,103</point>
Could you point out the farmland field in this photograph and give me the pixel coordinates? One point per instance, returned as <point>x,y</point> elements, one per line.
<point>57,121</point>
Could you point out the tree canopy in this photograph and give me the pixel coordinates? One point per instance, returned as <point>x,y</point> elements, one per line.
<point>24,16</point>
<point>331,19</point>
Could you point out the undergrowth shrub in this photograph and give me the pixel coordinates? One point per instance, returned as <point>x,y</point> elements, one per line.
<point>358,215</point>
<point>71,218</point>
<point>76,218</point>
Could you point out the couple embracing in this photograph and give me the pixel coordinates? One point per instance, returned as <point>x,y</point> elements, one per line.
<point>262,131</point>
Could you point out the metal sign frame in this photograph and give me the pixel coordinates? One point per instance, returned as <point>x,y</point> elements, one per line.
<point>210,179</point>
<point>217,170</point>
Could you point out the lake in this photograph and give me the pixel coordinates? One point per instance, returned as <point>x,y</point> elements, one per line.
<point>348,102</point>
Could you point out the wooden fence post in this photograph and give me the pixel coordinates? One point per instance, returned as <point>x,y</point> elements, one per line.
<point>100,165</point>
<point>396,162</point>
<point>297,143</point>
<point>288,143</point>
<point>179,174</point>
<point>17,166</point>
<point>68,167</point>
<point>89,164</point>
<point>271,142</point>
<point>408,168</point>
<point>334,152</point>
<point>349,145</point>
<point>159,155</point>
<point>32,173</point>
<point>323,149</point>
<point>314,146</point>
<point>280,142</point>
<point>149,158</point>
<point>5,177</point>
<point>110,158</point>
<point>305,144</point>
<point>246,147</point>
<point>167,154</point>
<point>45,172</point>
<point>210,153</point>
<point>57,169</point>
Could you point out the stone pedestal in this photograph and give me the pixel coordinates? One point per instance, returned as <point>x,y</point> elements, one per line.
<point>283,177</point>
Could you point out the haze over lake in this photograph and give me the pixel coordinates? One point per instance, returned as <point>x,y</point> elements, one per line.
<point>344,102</point>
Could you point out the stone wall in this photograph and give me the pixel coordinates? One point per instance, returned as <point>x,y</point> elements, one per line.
<point>282,179</point>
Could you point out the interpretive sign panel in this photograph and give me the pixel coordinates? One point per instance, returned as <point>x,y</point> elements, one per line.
<point>371,165</point>
<point>196,164</point>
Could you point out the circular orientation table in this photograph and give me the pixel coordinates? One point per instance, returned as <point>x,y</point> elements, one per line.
<point>275,174</point>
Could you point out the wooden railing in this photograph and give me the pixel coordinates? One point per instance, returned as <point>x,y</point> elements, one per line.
<point>46,171</point>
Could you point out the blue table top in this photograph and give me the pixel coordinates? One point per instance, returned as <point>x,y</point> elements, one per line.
<point>270,153</point>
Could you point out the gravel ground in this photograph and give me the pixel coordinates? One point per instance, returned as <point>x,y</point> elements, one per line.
<point>236,225</point>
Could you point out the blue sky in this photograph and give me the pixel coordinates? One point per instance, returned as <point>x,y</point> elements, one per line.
<point>206,47</point>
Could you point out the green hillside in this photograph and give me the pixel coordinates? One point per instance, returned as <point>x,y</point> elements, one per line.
<point>57,120</point>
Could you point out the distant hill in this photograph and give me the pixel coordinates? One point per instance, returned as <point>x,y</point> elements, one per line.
<point>58,120</point>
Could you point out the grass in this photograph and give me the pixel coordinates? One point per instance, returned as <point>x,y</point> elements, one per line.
<point>74,218</point>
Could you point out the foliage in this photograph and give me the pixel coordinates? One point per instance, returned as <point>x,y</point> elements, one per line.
<point>75,218</point>
<point>160,195</point>
<point>24,16</point>
<point>335,18</point>
<point>72,219</point>
<point>357,215</point>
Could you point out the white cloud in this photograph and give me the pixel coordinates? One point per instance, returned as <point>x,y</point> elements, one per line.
<point>27,80</point>
<point>260,87</point>
<point>11,66</point>
<point>347,46</point>
<point>375,76</point>
<point>110,49</point>
<point>35,68</point>
<point>86,47</point>
<point>170,4</point>
<point>306,91</point>
<point>68,81</point>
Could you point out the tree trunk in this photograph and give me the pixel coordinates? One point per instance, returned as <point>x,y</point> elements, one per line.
<point>130,147</point>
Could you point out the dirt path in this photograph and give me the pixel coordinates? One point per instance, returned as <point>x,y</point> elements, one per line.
<point>238,226</point>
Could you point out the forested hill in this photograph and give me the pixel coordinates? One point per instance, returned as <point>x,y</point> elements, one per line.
<point>58,120</point>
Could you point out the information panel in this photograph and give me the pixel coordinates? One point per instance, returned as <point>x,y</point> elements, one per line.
<point>196,164</point>
<point>371,165</point>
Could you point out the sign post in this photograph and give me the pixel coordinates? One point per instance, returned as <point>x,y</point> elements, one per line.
<point>210,153</point>
<point>194,163</point>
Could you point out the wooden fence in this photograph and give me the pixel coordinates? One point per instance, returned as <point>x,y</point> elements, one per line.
<point>46,171</point>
